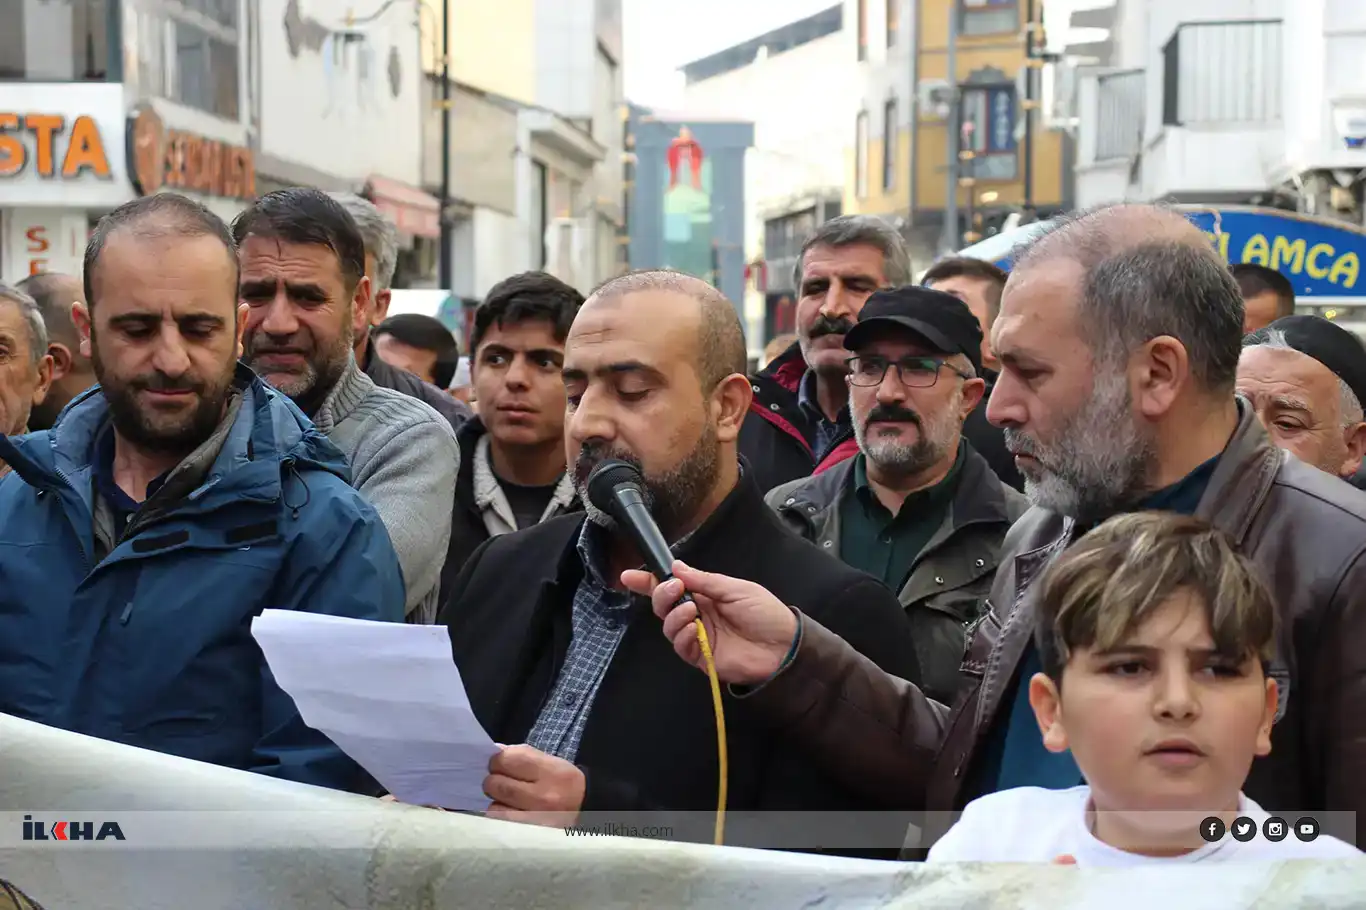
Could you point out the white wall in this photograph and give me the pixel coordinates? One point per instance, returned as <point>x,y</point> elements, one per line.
<point>334,108</point>
<point>566,44</point>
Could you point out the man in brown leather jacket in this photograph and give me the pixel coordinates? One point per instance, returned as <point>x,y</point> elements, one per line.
<point>1119,336</point>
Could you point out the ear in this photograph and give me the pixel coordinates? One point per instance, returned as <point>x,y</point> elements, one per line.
<point>973,390</point>
<point>1046,701</point>
<point>1268,717</point>
<point>44,379</point>
<point>729,405</point>
<point>80,315</point>
<point>243,311</point>
<point>1355,437</point>
<point>62,361</point>
<point>1158,373</point>
<point>381,310</point>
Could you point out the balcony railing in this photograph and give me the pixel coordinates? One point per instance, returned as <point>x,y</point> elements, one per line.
<point>1222,73</point>
<point>1119,114</point>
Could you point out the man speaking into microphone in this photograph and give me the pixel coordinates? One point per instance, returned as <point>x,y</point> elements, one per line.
<point>568,668</point>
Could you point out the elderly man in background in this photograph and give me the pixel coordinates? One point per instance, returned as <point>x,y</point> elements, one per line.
<point>381,258</point>
<point>1306,378</point>
<point>303,280</point>
<point>72,371</point>
<point>25,365</point>
<point>799,418</point>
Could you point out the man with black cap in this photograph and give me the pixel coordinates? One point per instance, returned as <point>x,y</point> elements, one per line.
<point>1306,379</point>
<point>917,508</point>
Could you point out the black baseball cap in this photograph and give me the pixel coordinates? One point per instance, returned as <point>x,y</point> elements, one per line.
<point>1324,340</point>
<point>941,319</point>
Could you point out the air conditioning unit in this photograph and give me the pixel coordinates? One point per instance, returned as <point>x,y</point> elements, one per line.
<point>935,98</point>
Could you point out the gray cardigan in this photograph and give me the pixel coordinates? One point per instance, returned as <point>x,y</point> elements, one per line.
<point>404,461</point>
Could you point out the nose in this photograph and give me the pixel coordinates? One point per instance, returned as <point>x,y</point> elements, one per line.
<point>838,301</point>
<point>518,373</point>
<point>891,390</point>
<point>1176,697</point>
<point>171,357</point>
<point>592,418</point>
<point>1005,407</point>
<point>279,318</point>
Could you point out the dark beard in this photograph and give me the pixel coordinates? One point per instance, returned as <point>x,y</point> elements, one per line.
<point>143,431</point>
<point>673,498</point>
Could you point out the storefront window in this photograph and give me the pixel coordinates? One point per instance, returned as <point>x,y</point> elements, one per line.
<point>58,42</point>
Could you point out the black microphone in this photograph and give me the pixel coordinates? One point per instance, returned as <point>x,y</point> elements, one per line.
<point>617,488</point>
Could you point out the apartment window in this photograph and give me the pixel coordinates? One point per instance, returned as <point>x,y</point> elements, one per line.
<point>989,17</point>
<point>861,155</point>
<point>204,39</point>
<point>889,137</point>
<point>893,21</point>
<point>863,29</point>
<point>989,120</point>
<point>54,41</point>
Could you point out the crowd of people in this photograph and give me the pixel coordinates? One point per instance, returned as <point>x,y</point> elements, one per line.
<point>1079,541</point>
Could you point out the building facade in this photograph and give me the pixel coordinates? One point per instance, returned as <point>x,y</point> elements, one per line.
<point>104,101</point>
<point>685,196</point>
<point>899,147</point>
<point>798,85</point>
<point>1230,101</point>
<point>537,140</point>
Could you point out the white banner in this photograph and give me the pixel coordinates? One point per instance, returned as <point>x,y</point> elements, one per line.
<point>216,838</point>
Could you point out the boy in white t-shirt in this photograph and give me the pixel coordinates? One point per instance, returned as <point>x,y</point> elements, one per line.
<point>1155,638</point>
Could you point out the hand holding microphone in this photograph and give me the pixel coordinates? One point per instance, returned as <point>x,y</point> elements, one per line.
<point>750,630</point>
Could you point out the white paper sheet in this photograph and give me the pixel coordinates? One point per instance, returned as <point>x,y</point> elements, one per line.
<point>389,695</point>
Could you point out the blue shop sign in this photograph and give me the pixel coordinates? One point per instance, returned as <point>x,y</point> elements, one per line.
<point>1322,259</point>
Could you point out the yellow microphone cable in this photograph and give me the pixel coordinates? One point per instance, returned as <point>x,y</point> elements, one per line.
<point>721,757</point>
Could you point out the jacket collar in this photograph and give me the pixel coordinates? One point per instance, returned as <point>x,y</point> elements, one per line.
<point>979,497</point>
<point>787,369</point>
<point>1243,477</point>
<point>488,492</point>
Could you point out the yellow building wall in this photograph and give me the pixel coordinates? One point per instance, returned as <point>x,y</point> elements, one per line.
<point>493,45</point>
<point>1004,52</point>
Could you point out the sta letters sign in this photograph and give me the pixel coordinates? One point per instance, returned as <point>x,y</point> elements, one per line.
<point>60,145</point>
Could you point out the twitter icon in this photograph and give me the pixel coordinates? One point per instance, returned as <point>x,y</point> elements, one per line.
<point>1243,829</point>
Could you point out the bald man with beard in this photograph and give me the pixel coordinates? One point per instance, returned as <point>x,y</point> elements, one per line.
<point>72,371</point>
<point>1119,337</point>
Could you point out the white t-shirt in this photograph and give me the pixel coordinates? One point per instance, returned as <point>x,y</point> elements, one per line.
<point>1031,824</point>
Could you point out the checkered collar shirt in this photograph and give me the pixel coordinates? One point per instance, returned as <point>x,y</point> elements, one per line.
<point>599,619</point>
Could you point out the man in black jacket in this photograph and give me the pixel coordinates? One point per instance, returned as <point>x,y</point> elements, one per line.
<point>558,658</point>
<point>512,467</point>
<point>381,256</point>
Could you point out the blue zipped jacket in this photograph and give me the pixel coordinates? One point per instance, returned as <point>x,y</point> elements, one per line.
<point>151,646</point>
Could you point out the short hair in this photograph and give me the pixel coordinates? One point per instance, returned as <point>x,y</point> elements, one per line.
<point>526,297</point>
<point>159,215</point>
<point>46,288</point>
<point>418,330</point>
<point>721,349</point>
<point>1256,279</point>
<point>1349,405</point>
<point>967,267</point>
<point>861,230</point>
<point>310,217</point>
<point>33,321</point>
<point>378,233</point>
<point>1148,272</point>
<point>1111,581</point>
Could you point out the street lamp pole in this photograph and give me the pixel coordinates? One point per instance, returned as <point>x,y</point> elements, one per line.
<point>445,267</point>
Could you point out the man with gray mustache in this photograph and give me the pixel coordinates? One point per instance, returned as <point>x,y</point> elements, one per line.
<point>917,508</point>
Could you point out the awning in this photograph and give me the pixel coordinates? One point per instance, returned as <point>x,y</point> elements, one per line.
<point>412,210</point>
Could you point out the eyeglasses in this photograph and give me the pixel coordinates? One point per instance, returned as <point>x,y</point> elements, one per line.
<point>914,372</point>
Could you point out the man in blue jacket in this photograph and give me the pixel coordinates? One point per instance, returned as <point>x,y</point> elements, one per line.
<point>169,506</point>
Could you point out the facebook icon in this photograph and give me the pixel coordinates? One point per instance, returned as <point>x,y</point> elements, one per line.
<point>1212,828</point>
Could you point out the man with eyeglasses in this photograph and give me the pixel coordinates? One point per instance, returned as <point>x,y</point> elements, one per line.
<point>917,508</point>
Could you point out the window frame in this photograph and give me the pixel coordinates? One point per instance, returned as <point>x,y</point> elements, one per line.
<point>967,15</point>
<point>990,150</point>
<point>893,21</point>
<point>861,155</point>
<point>177,14</point>
<point>862,30</point>
<point>890,137</point>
